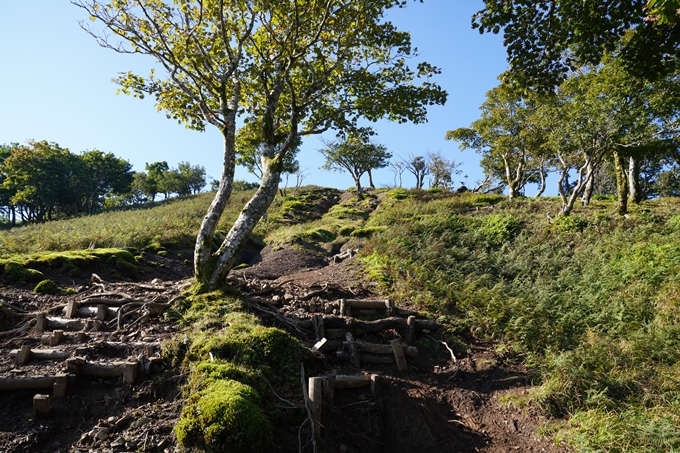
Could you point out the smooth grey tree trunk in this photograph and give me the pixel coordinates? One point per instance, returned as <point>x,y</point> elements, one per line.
<point>634,192</point>
<point>251,214</point>
<point>590,186</point>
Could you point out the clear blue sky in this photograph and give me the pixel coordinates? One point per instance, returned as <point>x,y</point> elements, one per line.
<point>55,85</point>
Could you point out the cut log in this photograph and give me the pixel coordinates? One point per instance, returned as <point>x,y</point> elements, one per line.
<point>347,381</point>
<point>389,307</point>
<point>367,358</point>
<point>363,327</point>
<point>41,405</point>
<point>74,363</point>
<point>399,354</point>
<point>95,312</point>
<point>315,402</point>
<point>103,369</point>
<point>372,348</point>
<point>319,345</point>
<point>64,324</point>
<point>21,355</point>
<point>375,304</point>
<point>26,383</point>
<point>42,354</point>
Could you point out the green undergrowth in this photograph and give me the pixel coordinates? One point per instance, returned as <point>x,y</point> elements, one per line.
<point>326,235</point>
<point>591,302</point>
<point>31,267</point>
<point>234,366</point>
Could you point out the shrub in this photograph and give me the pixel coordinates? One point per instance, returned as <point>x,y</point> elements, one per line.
<point>573,223</point>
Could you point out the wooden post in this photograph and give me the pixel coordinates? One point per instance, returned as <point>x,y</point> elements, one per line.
<point>23,355</point>
<point>101,312</point>
<point>59,386</point>
<point>129,373</point>
<point>353,350</point>
<point>72,309</point>
<point>73,364</point>
<point>374,382</point>
<point>345,309</point>
<point>389,307</point>
<point>56,337</point>
<point>80,337</point>
<point>97,326</point>
<point>330,385</point>
<point>41,324</point>
<point>317,322</point>
<point>41,405</point>
<point>315,400</point>
<point>399,354</point>
<point>410,329</point>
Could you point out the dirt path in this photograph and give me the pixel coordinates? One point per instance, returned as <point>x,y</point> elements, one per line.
<point>435,404</point>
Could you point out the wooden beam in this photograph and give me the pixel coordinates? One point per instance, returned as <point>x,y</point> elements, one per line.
<point>26,383</point>
<point>41,354</point>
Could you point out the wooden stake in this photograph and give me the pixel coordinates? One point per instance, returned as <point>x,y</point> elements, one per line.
<point>410,329</point>
<point>345,309</point>
<point>353,350</point>
<point>317,322</point>
<point>72,309</point>
<point>399,354</point>
<point>129,373</point>
<point>41,324</point>
<point>80,337</point>
<point>22,355</point>
<point>102,312</point>
<point>73,364</point>
<point>41,405</point>
<point>59,386</point>
<point>374,383</point>
<point>57,336</point>
<point>389,307</point>
<point>330,385</point>
<point>315,400</point>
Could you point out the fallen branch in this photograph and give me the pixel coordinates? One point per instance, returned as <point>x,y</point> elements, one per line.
<point>291,324</point>
<point>20,329</point>
<point>314,293</point>
<point>12,307</point>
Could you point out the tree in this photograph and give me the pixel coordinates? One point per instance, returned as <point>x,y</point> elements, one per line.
<point>546,41</point>
<point>441,170</point>
<point>398,169</point>
<point>356,156</point>
<point>296,67</point>
<point>247,149</point>
<point>104,173</point>
<point>417,165</point>
<point>507,138</point>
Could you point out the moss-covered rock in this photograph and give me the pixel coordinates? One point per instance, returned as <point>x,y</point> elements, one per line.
<point>46,287</point>
<point>225,417</point>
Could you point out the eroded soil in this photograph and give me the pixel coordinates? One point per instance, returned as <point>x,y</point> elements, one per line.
<point>435,405</point>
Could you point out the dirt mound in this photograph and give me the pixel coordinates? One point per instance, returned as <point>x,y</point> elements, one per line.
<point>272,264</point>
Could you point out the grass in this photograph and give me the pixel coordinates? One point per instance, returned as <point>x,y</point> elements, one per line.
<point>589,301</point>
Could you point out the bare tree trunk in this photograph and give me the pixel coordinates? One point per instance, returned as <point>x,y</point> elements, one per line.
<point>590,185</point>
<point>541,188</point>
<point>206,233</point>
<point>360,192</point>
<point>634,192</point>
<point>252,212</point>
<point>370,180</point>
<point>621,184</point>
<point>581,182</point>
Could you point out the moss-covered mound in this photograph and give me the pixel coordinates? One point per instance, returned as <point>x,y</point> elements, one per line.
<point>225,417</point>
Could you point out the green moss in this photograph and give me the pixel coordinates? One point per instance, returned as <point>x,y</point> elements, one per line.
<point>346,230</point>
<point>341,211</point>
<point>366,232</point>
<point>17,273</point>
<point>319,235</point>
<point>225,418</point>
<point>46,287</point>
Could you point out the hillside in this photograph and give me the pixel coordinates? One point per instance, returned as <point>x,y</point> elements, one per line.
<point>542,333</point>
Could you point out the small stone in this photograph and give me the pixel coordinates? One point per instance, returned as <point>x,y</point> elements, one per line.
<point>288,296</point>
<point>147,339</point>
<point>124,420</point>
<point>140,422</point>
<point>100,433</point>
<point>120,442</point>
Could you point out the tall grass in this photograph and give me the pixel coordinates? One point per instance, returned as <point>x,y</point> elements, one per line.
<point>591,301</point>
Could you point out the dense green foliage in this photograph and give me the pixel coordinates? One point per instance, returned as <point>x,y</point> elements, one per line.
<point>591,302</point>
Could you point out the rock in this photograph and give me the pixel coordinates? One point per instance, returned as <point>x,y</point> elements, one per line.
<point>101,433</point>
<point>124,420</point>
<point>140,422</point>
<point>288,296</point>
<point>276,298</point>
<point>120,442</point>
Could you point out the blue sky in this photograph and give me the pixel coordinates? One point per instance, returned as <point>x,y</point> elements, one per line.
<point>55,85</point>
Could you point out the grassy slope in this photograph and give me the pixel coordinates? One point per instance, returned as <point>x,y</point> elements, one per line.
<point>591,301</point>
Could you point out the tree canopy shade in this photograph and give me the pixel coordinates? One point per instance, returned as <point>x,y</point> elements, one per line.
<point>356,156</point>
<point>545,40</point>
<point>294,67</point>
